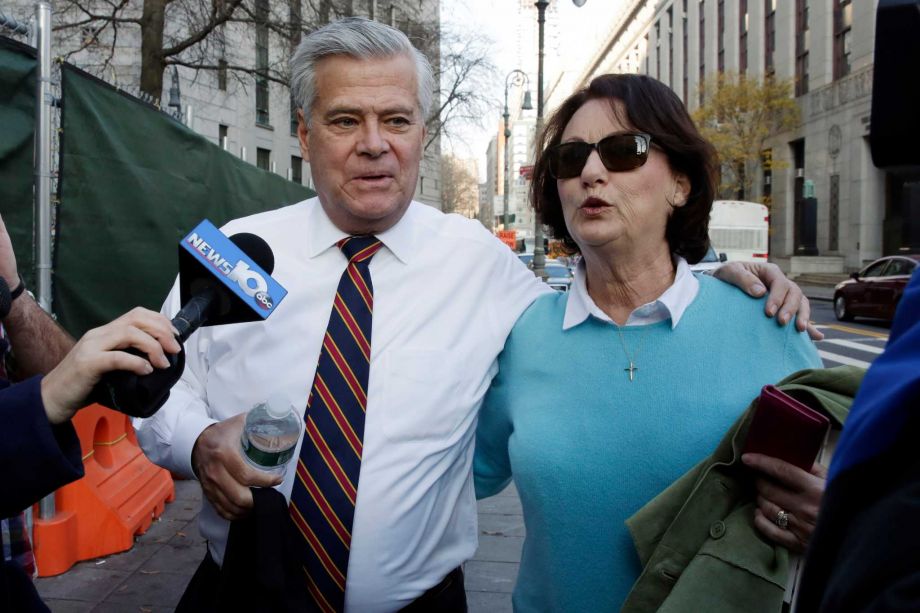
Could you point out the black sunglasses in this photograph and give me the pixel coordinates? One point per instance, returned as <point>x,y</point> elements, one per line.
<point>618,153</point>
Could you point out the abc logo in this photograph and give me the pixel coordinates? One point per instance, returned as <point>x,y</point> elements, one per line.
<point>263,300</point>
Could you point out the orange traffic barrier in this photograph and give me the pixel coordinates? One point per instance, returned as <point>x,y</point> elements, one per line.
<point>120,495</point>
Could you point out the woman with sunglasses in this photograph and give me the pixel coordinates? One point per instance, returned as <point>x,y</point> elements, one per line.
<point>608,393</point>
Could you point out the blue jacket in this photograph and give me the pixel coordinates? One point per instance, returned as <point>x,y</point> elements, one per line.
<point>35,459</point>
<point>863,553</point>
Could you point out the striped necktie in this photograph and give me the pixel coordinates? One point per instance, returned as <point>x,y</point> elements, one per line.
<point>323,498</point>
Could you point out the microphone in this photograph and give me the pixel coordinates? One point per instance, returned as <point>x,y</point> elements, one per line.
<point>213,290</point>
<point>208,300</point>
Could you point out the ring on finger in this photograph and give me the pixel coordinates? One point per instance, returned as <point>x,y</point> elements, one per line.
<point>781,519</point>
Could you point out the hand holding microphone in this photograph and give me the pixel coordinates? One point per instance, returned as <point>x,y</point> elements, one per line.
<point>116,346</point>
<point>222,281</point>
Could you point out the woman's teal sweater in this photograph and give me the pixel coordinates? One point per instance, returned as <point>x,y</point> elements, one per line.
<point>586,447</point>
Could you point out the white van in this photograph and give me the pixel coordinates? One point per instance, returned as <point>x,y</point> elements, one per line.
<point>740,230</point>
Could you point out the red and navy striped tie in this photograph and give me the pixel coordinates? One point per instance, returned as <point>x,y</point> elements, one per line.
<point>323,498</point>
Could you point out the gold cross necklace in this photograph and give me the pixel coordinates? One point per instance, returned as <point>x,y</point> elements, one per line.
<point>632,368</point>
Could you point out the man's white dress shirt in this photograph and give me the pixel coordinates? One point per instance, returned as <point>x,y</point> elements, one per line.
<point>446,294</point>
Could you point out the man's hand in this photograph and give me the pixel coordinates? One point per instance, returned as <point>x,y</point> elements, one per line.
<point>224,475</point>
<point>65,388</point>
<point>789,489</point>
<point>785,300</point>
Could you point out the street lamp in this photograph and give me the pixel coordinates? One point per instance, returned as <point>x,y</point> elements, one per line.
<point>539,259</point>
<point>175,101</point>
<point>517,78</point>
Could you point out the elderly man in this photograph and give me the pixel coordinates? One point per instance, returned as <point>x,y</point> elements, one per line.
<point>381,492</point>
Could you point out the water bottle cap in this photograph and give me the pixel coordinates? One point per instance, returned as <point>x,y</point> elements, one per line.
<point>278,405</point>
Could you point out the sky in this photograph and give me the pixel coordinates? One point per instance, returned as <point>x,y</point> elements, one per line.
<point>495,19</point>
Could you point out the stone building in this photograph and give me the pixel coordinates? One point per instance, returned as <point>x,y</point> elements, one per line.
<point>826,48</point>
<point>250,116</point>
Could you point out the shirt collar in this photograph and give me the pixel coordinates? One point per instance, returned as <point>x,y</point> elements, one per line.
<point>323,234</point>
<point>671,304</point>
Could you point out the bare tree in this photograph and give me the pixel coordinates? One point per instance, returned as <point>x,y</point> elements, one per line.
<point>189,33</point>
<point>217,36</point>
<point>459,188</point>
<point>465,74</point>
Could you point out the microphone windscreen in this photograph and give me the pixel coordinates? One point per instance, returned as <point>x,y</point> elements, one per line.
<point>6,302</point>
<point>257,250</point>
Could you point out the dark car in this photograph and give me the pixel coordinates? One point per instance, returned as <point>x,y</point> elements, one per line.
<point>876,289</point>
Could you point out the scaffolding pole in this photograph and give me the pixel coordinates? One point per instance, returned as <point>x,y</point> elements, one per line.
<point>43,102</point>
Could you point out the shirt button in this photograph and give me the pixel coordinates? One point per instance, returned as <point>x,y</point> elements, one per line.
<point>717,530</point>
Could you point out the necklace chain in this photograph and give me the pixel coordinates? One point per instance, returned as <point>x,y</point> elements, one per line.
<point>632,368</point>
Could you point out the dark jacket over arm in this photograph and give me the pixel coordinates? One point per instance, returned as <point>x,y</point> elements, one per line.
<point>35,457</point>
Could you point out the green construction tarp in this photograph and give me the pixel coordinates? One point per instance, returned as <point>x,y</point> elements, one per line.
<point>17,130</point>
<point>133,183</point>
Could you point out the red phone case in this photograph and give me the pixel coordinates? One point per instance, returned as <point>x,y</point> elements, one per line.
<point>787,429</point>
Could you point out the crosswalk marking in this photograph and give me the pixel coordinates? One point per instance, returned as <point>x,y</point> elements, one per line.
<point>858,331</point>
<point>842,359</point>
<point>854,345</point>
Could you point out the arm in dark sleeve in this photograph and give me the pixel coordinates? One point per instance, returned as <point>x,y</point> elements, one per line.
<point>35,457</point>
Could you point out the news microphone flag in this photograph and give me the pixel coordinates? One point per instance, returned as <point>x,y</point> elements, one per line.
<point>234,269</point>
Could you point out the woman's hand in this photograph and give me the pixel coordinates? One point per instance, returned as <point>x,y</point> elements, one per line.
<point>785,300</point>
<point>789,490</point>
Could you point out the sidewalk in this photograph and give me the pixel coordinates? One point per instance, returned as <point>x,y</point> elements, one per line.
<point>151,577</point>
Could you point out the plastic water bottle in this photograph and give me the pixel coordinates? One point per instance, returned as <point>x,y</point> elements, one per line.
<point>270,434</point>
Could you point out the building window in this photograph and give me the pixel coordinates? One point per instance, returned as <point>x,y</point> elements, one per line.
<point>769,39</point>
<point>222,136</point>
<point>671,47</point>
<point>296,169</point>
<point>686,47</point>
<point>843,25</point>
<point>264,158</point>
<point>647,50</point>
<point>720,25</point>
<point>833,220</point>
<point>801,47</point>
<point>222,75</point>
<point>295,22</point>
<point>294,121</point>
<point>766,190</point>
<point>702,49</point>
<point>658,49</point>
<point>743,36</point>
<point>262,104</point>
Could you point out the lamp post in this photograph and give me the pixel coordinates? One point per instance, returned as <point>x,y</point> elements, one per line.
<point>539,255</point>
<point>517,78</point>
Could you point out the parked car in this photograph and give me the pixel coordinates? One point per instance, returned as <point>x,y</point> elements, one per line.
<point>527,258</point>
<point>876,289</point>
<point>710,261</point>
<point>558,276</point>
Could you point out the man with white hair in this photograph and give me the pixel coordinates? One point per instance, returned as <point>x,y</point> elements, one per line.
<point>381,490</point>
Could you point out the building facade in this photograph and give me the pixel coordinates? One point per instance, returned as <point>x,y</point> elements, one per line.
<point>248,114</point>
<point>824,167</point>
<point>522,123</point>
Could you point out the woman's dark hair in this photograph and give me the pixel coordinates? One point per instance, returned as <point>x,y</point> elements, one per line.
<point>651,107</point>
